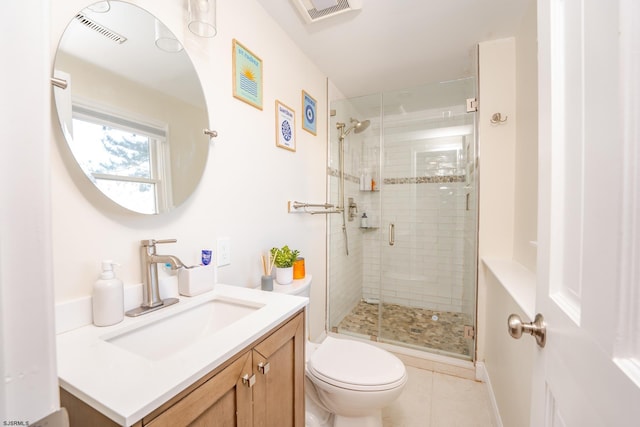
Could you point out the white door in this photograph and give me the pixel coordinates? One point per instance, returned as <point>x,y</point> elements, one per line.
<point>588,374</point>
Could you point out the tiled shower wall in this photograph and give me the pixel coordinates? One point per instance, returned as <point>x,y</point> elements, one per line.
<point>431,262</point>
<point>345,272</point>
<point>425,267</point>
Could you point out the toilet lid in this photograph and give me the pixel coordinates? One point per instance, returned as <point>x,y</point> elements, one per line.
<point>356,365</point>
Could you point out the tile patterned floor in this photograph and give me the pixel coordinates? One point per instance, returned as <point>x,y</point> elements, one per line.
<point>432,399</point>
<point>409,325</point>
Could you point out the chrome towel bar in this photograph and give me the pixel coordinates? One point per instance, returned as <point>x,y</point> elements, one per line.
<point>302,207</point>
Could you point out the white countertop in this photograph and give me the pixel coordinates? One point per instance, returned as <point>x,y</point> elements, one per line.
<point>125,386</point>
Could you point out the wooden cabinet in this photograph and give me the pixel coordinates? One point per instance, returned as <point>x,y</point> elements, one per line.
<point>263,385</point>
<point>278,394</point>
<point>223,400</point>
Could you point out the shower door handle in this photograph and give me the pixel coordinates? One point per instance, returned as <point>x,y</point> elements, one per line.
<point>392,234</point>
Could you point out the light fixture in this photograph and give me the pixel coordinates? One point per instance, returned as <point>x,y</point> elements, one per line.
<point>100,7</point>
<point>165,39</point>
<point>202,17</point>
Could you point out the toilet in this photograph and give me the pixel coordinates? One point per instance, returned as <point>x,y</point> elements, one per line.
<point>347,382</point>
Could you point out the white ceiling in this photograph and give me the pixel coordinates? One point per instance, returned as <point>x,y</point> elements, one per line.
<point>137,59</point>
<point>397,44</point>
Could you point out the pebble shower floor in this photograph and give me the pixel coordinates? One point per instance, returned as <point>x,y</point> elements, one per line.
<point>412,326</point>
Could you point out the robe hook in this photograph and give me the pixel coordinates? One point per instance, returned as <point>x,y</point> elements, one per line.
<point>497,118</point>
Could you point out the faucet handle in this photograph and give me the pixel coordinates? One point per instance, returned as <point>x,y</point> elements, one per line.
<point>153,242</point>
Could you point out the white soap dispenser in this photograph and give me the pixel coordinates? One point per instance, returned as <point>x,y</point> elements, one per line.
<point>108,297</point>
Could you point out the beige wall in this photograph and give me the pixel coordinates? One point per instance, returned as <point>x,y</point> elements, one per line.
<point>508,209</point>
<point>526,155</point>
<point>247,181</point>
<point>496,163</point>
<point>509,362</point>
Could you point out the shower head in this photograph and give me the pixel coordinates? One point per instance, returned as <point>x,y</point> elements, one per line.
<point>360,126</point>
<point>357,126</point>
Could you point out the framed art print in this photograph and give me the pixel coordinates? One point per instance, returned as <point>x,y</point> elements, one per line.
<point>285,127</point>
<point>309,110</point>
<point>247,75</point>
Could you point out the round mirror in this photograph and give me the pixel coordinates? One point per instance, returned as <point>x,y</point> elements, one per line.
<point>133,111</point>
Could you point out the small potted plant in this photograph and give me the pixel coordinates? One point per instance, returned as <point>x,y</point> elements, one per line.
<point>283,260</point>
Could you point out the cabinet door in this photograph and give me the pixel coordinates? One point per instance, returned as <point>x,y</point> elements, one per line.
<point>222,401</point>
<point>278,362</point>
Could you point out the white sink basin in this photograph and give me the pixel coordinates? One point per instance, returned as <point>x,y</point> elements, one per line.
<point>172,334</point>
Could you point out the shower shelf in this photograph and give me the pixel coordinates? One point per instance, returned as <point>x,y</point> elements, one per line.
<point>368,228</point>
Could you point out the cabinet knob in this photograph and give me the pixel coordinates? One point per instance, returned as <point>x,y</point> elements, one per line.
<point>249,381</point>
<point>264,367</point>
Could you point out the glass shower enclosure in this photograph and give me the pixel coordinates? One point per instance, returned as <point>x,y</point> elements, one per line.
<point>410,190</point>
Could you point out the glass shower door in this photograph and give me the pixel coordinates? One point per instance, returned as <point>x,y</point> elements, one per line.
<point>409,277</point>
<point>428,219</point>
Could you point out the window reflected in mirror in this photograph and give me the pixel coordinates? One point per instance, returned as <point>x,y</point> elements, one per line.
<point>124,159</point>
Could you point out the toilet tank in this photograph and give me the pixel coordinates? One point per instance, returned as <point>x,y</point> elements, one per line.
<point>299,287</point>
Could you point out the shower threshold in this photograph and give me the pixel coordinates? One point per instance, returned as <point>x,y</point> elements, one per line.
<point>440,332</point>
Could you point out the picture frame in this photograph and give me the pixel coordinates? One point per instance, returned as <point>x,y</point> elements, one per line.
<point>247,75</point>
<point>285,127</point>
<point>309,113</point>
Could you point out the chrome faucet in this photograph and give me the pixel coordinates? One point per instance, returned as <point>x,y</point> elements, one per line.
<point>149,261</point>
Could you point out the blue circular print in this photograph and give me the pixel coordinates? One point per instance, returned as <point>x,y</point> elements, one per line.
<point>286,130</point>
<point>310,114</point>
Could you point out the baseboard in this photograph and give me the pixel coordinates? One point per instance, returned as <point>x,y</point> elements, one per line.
<point>483,375</point>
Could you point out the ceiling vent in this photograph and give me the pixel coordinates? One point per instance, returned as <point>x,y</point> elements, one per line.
<point>100,29</point>
<point>317,10</point>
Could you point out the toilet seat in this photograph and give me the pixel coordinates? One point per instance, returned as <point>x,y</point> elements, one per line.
<point>354,365</point>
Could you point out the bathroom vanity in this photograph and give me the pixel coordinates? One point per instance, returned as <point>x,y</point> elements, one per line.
<point>248,372</point>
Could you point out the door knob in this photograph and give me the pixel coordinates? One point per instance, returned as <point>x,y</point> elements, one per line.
<point>537,328</point>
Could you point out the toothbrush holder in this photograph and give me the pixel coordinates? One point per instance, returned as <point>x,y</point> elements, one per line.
<point>196,279</point>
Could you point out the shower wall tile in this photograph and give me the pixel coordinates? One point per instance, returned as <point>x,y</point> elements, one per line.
<point>345,274</point>
<point>425,268</point>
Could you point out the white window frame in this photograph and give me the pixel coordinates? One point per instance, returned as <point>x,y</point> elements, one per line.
<point>158,146</point>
